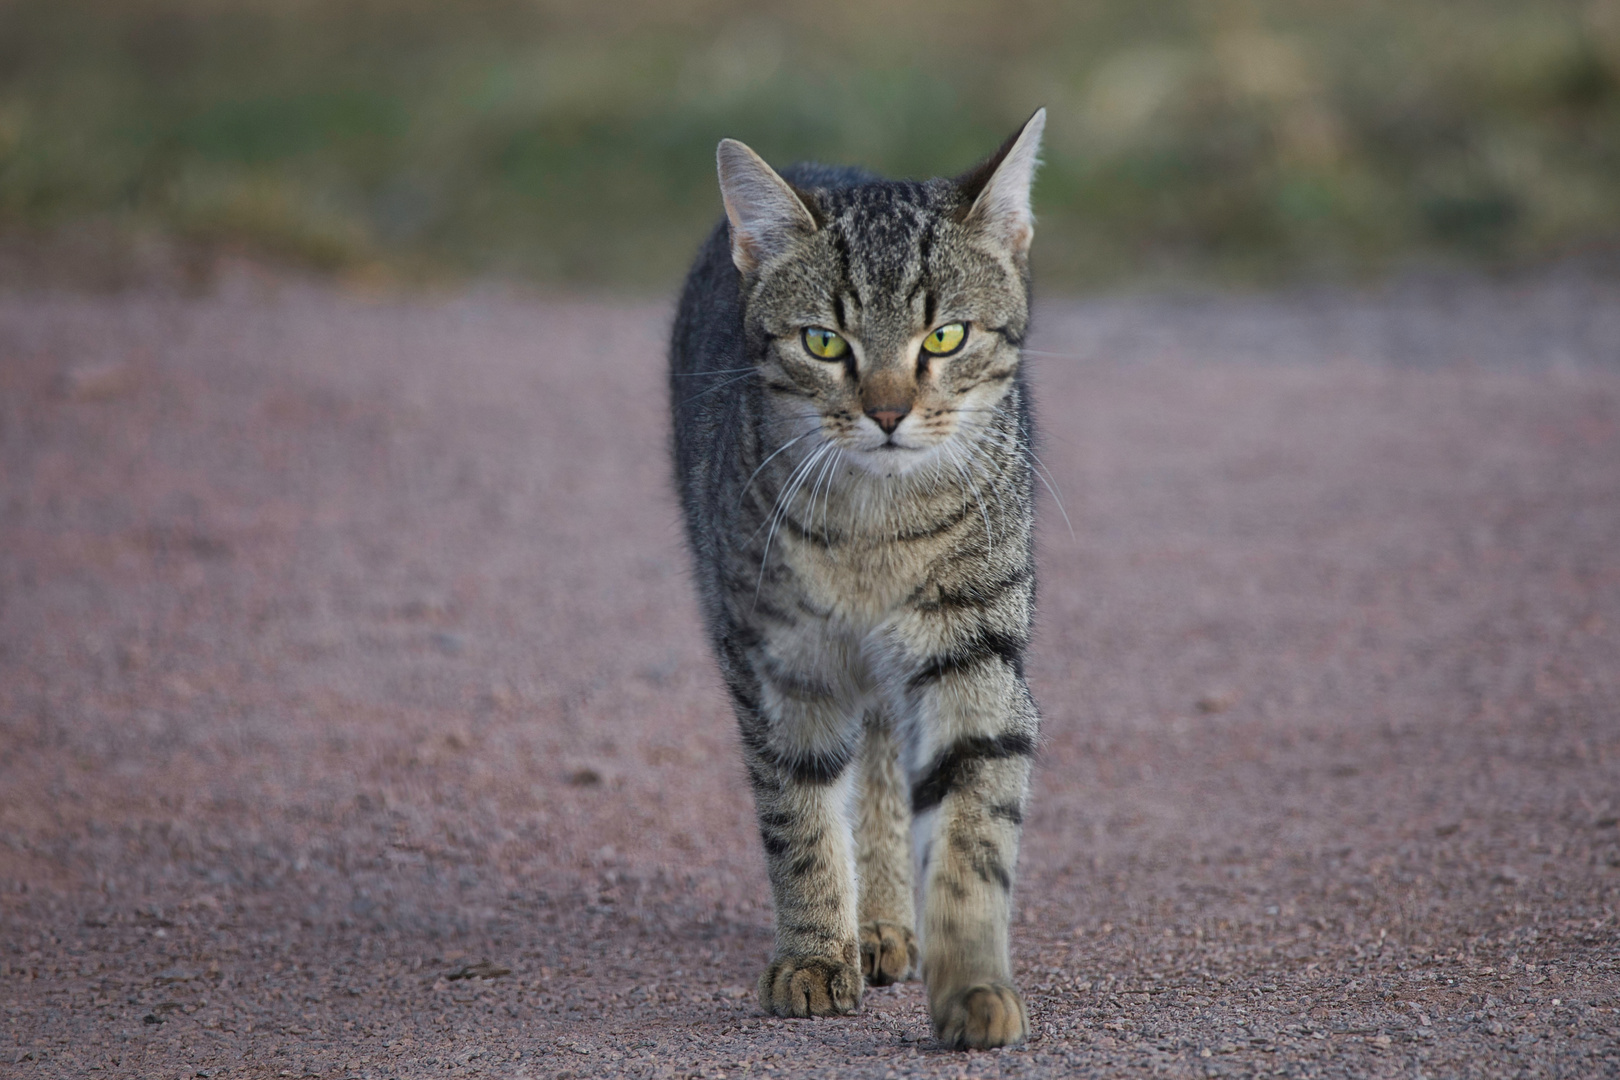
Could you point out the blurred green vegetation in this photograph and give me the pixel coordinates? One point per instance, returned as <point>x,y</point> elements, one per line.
<point>572,142</point>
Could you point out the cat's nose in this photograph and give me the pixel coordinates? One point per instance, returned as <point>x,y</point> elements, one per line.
<point>888,417</point>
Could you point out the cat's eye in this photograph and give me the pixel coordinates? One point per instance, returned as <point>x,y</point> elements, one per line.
<point>824,343</point>
<point>946,340</point>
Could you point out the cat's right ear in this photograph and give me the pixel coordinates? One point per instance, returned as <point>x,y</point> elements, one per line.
<point>767,216</point>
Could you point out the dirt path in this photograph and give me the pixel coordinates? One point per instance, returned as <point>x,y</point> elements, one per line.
<point>354,718</point>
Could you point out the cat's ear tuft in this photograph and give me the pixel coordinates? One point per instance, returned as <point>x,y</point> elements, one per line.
<point>995,195</point>
<point>766,213</point>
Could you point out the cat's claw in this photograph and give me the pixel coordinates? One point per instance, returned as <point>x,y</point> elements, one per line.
<point>888,952</point>
<point>809,986</point>
<point>981,1016</point>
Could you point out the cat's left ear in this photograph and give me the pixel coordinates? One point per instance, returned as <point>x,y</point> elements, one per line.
<point>766,214</point>
<point>995,195</point>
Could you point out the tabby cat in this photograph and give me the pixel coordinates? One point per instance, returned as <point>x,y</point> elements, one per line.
<point>852,439</point>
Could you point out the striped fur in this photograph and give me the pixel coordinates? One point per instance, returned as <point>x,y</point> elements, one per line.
<point>869,593</point>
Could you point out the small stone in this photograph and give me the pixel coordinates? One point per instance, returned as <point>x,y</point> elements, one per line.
<point>484,969</point>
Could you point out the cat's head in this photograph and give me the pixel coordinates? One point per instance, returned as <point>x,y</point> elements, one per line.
<point>889,313</point>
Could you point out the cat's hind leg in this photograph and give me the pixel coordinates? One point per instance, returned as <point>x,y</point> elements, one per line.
<point>888,934</point>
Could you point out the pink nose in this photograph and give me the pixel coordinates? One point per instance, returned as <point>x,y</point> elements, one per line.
<point>888,417</point>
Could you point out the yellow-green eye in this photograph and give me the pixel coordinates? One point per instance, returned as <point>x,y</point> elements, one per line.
<point>824,343</point>
<point>946,340</point>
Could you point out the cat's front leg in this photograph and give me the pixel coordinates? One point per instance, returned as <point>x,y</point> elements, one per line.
<point>799,745</point>
<point>975,749</point>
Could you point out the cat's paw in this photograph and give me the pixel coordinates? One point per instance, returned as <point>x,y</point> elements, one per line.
<point>809,986</point>
<point>888,952</point>
<point>981,1016</point>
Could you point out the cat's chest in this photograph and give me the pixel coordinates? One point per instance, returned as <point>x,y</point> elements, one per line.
<point>858,551</point>
<point>860,584</point>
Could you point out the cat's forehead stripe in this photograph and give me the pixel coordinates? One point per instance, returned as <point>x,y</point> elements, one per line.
<point>883,234</point>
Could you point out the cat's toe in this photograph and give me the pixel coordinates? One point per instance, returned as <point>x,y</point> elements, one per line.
<point>981,1016</point>
<point>888,952</point>
<point>809,986</point>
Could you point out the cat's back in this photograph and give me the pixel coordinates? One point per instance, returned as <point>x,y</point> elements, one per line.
<point>706,359</point>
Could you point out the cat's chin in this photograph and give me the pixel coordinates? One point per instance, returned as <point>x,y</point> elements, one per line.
<point>890,461</point>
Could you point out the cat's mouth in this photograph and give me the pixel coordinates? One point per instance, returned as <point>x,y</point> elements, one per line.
<point>891,458</point>
<point>891,445</point>
<point>898,439</point>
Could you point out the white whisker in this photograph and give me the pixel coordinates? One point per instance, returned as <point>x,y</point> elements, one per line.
<point>783,503</point>
<point>815,488</point>
<point>989,537</point>
<point>720,385</point>
<point>826,497</point>
<point>977,451</point>
<point>1046,478</point>
<point>1042,473</point>
<point>804,463</point>
<point>744,493</point>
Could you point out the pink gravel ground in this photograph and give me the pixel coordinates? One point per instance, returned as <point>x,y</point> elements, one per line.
<point>355,719</point>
